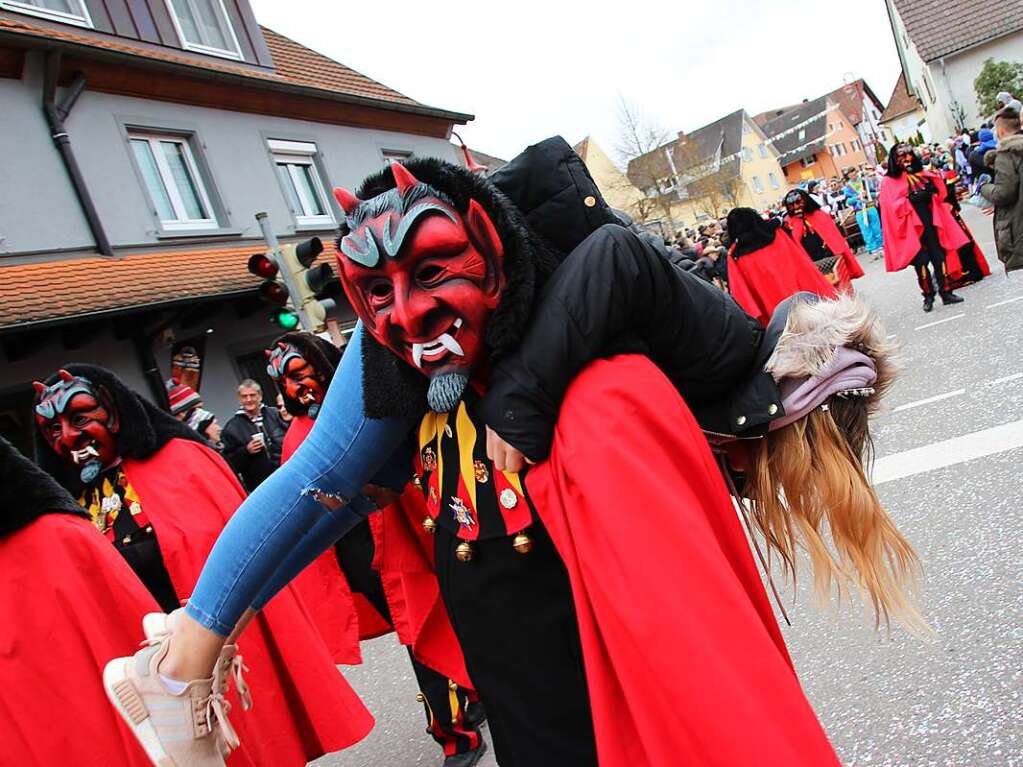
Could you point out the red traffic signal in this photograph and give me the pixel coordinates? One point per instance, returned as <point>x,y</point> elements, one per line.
<point>261,266</point>
<point>306,252</point>
<point>274,292</point>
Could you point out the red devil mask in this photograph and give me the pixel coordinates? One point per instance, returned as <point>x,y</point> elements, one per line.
<point>422,276</point>
<point>296,376</point>
<point>795,204</point>
<point>78,421</point>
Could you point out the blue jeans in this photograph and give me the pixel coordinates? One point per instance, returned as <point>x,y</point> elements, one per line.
<point>282,527</point>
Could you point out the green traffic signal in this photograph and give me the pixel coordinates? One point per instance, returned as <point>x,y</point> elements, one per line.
<point>285,318</point>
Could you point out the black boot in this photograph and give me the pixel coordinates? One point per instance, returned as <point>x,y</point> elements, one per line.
<point>928,303</point>
<point>468,759</point>
<point>475,715</point>
<point>951,298</point>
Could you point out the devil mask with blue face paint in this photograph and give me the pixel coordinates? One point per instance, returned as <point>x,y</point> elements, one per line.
<point>424,278</point>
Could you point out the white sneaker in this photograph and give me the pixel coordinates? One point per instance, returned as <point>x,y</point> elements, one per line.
<point>176,730</point>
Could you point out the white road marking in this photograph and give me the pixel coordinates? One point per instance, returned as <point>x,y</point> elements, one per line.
<point>929,400</point>
<point>949,452</point>
<point>939,322</point>
<point>1003,303</point>
<point>1006,379</point>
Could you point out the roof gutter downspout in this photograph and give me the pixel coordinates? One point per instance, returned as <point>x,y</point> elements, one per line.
<point>55,116</point>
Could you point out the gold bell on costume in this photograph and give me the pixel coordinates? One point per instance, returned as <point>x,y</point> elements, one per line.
<point>522,543</point>
<point>429,525</point>
<point>464,552</point>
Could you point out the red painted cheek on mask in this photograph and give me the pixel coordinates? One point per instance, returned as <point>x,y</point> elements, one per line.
<point>66,434</point>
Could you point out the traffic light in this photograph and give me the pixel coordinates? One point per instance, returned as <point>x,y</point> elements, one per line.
<point>313,289</point>
<point>304,294</point>
<point>272,291</point>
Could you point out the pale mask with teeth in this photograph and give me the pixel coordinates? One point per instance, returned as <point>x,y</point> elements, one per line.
<point>424,278</point>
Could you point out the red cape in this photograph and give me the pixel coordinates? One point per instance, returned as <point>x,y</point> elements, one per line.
<point>343,618</point>
<point>761,280</point>
<point>849,268</point>
<point>303,707</point>
<point>69,603</point>
<point>685,663</point>
<point>901,226</point>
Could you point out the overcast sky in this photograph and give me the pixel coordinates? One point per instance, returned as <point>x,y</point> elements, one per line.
<point>528,70</point>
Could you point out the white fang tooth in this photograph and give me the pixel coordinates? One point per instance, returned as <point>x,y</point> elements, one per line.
<point>451,344</point>
<point>458,323</point>
<point>417,354</point>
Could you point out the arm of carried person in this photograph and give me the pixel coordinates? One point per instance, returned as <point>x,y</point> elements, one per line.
<point>612,294</point>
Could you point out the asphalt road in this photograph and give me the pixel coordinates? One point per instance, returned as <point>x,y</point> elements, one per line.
<point>886,699</point>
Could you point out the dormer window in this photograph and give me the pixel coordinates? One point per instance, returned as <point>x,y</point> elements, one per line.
<point>67,11</point>
<point>204,27</point>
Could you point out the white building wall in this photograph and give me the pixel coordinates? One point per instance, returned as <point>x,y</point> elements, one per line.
<point>955,75</point>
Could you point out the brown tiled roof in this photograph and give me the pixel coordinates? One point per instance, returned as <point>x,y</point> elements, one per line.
<point>901,102</point>
<point>304,66</point>
<point>939,29</point>
<point>294,64</point>
<point>41,292</point>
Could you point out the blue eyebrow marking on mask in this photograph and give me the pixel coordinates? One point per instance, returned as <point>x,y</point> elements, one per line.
<point>393,246</point>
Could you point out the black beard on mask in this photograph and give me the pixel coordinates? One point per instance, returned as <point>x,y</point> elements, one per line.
<point>445,391</point>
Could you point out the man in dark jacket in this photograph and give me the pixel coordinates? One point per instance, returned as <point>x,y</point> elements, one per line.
<point>253,437</point>
<point>1006,191</point>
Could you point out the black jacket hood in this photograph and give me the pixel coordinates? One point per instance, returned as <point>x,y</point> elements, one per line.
<point>27,492</point>
<point>539,205</point>
<point>144,428</point>
<point>322,354</point>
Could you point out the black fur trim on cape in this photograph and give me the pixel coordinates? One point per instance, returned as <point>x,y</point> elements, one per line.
<point>320,353</point>
<point>750,231</point>
<point>144,428</point>
<point>27,492</point>
<point>394,388</point>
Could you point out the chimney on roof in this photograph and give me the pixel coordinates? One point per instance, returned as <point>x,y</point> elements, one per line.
<point>806,101</point>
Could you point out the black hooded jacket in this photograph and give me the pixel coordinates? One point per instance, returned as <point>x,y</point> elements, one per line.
<point>27,492</point>
<point>616,293</point>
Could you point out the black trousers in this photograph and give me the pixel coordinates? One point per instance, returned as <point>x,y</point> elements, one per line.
<point>444,702</point>
<point>931,260</point>
<point>515,619</point>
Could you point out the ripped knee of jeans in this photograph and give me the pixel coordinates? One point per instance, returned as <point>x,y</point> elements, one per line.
<point>332,501</point>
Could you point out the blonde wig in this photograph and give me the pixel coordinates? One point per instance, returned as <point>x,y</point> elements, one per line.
<point>810,478</point>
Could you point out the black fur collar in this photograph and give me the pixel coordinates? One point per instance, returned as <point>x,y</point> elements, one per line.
<point>144,427</point>
<point>27,492</point>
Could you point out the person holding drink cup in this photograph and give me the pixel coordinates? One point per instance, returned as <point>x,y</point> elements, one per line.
<point>253,436</point>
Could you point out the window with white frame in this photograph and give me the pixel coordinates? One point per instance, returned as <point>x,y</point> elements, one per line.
<point>67,11</point>
<point>300,179</point>
<point>758,185</point>
<point>762,148</point>
<point>203,26</point>
<point>173,181</point>
<point>747,154</point>
<point>806,162</point>
<point>773,179</point>
<point>855,144</point>
<point>802,134</point>
<point>746,129</point>
<point>395,155</point>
